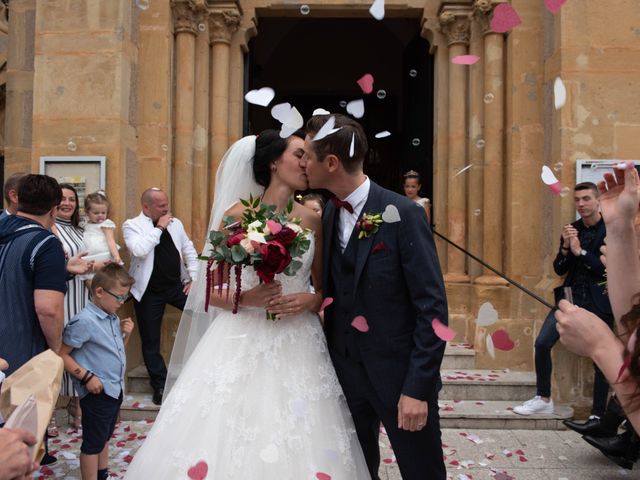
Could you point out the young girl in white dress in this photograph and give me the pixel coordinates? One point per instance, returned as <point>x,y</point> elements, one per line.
<point>412,186</point>
<point>99,231</point>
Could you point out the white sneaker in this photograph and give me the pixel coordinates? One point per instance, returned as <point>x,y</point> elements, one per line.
<point>533,406</point>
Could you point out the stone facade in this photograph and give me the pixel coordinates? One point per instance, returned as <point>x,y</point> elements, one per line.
<point>157,87</point>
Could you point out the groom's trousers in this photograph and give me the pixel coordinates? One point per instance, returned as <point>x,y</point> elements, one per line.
<point>419,454</point>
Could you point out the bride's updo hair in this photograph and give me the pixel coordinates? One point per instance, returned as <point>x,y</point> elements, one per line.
<point>269,147</point>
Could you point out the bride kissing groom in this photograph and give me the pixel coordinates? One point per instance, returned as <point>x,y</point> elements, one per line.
<point>290,399</point>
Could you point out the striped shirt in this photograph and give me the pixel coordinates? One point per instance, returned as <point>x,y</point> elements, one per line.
<point>77,293</point>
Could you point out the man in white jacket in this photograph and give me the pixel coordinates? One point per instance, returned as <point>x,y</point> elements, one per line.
<point>163,263</point>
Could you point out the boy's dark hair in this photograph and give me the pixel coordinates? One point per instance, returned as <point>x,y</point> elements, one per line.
<point>112,275</point>
<point>37,194</point>
<point>12,184</point>
<point>339,143</point>
<point>587,186</point>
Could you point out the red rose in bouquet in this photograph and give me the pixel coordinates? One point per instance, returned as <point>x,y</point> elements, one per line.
<point>275,258</point>
<point>236,238</point>
<point>286,236</point>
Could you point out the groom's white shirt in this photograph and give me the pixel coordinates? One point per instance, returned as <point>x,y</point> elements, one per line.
<point>356,199</point>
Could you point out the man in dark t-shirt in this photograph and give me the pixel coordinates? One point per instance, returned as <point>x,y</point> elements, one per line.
<point>32,274</point>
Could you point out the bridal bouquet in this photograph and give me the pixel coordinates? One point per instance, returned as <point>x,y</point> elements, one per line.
<point>264,239</point>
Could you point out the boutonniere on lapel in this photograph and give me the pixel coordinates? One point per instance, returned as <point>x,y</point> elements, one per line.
<point>369,224</point>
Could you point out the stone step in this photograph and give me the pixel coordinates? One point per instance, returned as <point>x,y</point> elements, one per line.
<point>138,406</point>
<point>485,385</point>
<point>497,414</point>
<point>138,380</point>
<point>459,356</point>
<point>465,414</point>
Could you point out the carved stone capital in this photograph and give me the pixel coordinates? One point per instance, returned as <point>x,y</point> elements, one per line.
<point>482,11</point>
<point>455,25</point>
<point>222,24</point>
<point>185,16</point>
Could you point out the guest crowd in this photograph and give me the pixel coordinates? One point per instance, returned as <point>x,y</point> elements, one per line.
<point>62,281</point>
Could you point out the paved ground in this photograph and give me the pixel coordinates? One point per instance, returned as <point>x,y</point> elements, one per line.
<point>470,455</point>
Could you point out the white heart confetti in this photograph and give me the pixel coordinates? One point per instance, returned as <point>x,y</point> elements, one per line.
<point>326,129</point>
<point>269,454</point>
<point>280,111</point>
<point>391,214</point>
<point>559,93</point>
<point>490,348</point>
<point>383,134</point>
<point>550,179</point>
<point>320,111</point>
<point>487,315</point>
<point>352,147</point>
<point>356,108</point>
<point>260,97</point>
<point>377,9</point>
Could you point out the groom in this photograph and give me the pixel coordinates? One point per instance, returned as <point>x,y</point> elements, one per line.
<point>386,277</point>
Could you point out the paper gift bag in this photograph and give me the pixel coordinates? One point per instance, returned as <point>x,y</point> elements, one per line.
<point>26,418</point>
<point>41,377</point>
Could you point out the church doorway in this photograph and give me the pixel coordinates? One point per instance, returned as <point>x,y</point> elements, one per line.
<point>315,62</point>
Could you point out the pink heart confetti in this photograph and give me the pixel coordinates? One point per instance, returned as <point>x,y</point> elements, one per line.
<point>505,18</point>
<point>274,227</point>
<point>465,59</point>
<point>442,331</point>
<point>360,323</point>
<point>323,476</point>
<point>502,341</point>
<point>522,459</point>
<point>554,6</point>
<point>325,303</point>
<point>519,452</point>
<point>366,83</point>
<point>503,476</point>
<point>198,471</point>
<point>128,458</point>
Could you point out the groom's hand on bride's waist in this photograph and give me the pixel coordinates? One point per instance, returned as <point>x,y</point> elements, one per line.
<point>412,414</point>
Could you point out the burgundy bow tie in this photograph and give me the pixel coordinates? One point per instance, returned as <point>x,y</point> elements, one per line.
<point>342,204</point>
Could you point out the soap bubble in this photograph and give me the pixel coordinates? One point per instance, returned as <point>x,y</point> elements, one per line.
<point>480,143</point>
<point>71,146</point>
<point>164,147</point>
<point>202,27</point>
<point>565,191</point>
<point>413,73</point>
<point>142,4</point>
<point>381,94</point>
<point>305,9</point>
<point>557,167</point>
<point>477,212</point>
<point>343,103</point>
<point>415,142</point>
<point>489,97</point>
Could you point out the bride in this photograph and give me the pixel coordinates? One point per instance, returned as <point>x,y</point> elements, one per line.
<point>254,398</point>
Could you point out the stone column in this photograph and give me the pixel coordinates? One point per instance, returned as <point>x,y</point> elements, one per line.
<point>19,93</point>
<point>222,23</point>
<point>476,141</point>
<point>454,21</point>
<point>494,199</point>
<point>186,28</point>
<point>200,199</point>
<point>238,49</point>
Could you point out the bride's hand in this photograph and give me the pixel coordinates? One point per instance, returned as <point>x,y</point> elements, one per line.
<point>294,304</point>
<point>261,295</point>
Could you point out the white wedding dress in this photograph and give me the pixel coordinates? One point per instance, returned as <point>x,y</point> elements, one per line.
<point>257,399</point>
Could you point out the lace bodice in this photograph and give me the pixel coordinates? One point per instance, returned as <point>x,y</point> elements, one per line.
<point>290,284</point>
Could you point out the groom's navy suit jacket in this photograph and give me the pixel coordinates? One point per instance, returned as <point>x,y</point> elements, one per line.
<point>398,288</point>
